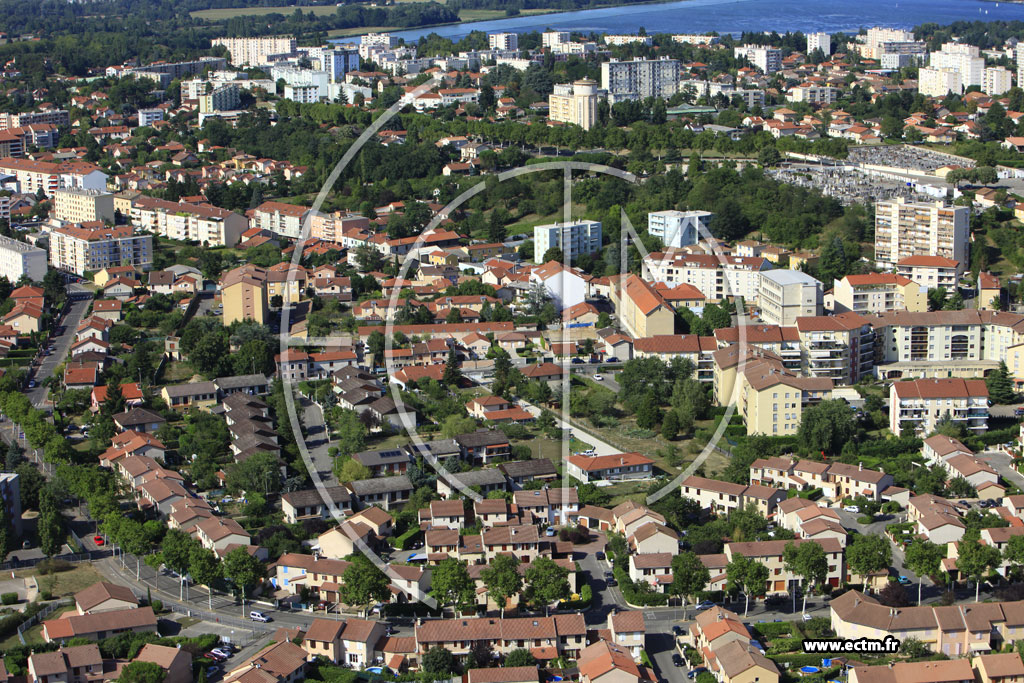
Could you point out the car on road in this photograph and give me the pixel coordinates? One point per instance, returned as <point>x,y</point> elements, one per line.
<point>704,604</point>
<point>259,616</point>
<point>610,582</point>
<point>677,660</point>
<point>852,508</point>
<point>598,378</point>
<point>693,673</point>
<point>1018,412</point>
<point>964,504</point>
<point>903,581</point>
<point>613,359</point>
<point>578,361</point>
<point>31,384</point>
<point>807,617</point>
<point>98,540</point>
<point>599,555</point>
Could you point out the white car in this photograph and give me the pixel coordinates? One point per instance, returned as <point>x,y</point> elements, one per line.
<point>598,378</point>
<point>852,508</point>
<point>259,616</point>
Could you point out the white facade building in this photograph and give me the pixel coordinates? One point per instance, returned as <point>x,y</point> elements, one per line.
<point>819,41</point>
<point>767,59</point>
<point>678,228</point>
<point>905,229</point>
<point>256,51</point>
<point>18,259</point>
<point>503,41</point>
<point>785,295</point>
<point>996,80</point>
<point>578,237</point>
<point>640,79</point>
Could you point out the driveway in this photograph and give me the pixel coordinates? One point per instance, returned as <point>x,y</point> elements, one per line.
<point>317,440</point>
<point>1000,462</point>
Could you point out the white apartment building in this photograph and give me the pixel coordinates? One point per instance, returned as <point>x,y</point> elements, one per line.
<point>503,41</point>
<point>574,103</point>
<point>78,250</point>
<point>553,38</point>
<point>147,117</point>
<point>996,80</point>
<point>678,229</point>
<point>628,40</point>
<point>931,272</point>
<point>54,117</point>
<point>905,229</point>
<point>918,405</point>
<point>767,59</point>
<point>879,40</point>
<point>694,39</point>
<point>203,223</point>
<point>256,51</point>
<point>1020,63</point>
<point>279,218</point>
<point>640,78</point>
<point>964,59</point>
<point>220,98</point>
<point>717,277</point>
<point>813,94</point>
<point>578,237</point>
<point>939,82</point>
<point>785,295</point>
<point>303,94</point>
<point>81,206</point>
<point>18,259</point>
<point>32,176</point>
<point>819,41</point>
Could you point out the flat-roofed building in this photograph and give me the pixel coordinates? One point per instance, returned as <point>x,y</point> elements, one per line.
<point>74,205</point>
<point>20,259</point>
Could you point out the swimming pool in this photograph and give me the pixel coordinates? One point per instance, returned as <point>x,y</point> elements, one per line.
<point>809,669</point>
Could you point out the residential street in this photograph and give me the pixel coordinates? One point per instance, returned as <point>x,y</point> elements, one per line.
<point>317,440</point>
<point>81,300</point>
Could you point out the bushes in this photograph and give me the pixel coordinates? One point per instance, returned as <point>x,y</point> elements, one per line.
<point>158,606</point>
<point>9,598</point>
<point>403,542</point>
<point>774,629</point>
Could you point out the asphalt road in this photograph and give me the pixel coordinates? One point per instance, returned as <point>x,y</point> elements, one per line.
<point>317,440</point>
<point>62,344</point>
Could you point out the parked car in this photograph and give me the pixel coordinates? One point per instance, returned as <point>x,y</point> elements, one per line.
<point>611,582</point>
<point>964,504</point>
<point>98,540</point>
<point>550,531</point>
<point>211,670</point>
<point>259,616</point>
<point>693,673</point>
<point>613,359</point>
<point>807,617</point>
<point>223,652</point>
<point>599,555</point>
<point>677,660</point>
<point>31,384</point>
<point>578,361</point>
<point>598,378</point>
<point>984,504</point>
<point>852,508</point>
<point>903,581</point>
<point>704,604</point>
<point>211,655</point>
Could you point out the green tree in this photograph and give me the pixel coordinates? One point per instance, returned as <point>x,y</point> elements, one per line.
<point>1013,553</point>
<point>1000,385</point>
<point>177,549</point>
<point>7,538</point>
<point>348,469</point>
<point>502,579</point>
<point>868,554</point>
<point>546,582</point>
<point>648,415</point>
<point>133,540</point>
<point>746,576</point>
<point>450,584</point>
<point>670,426</point>
<point>827,427</point>
<point>350,430</point>
<point>452,375</point>
<point>243,570</point>
<point>142,672</point>
<point>976,560</point>
<point>439,661</point>
<point>205,568</point>
<point>689,576</point>
<point>808,561</point>
<point>363,584</point>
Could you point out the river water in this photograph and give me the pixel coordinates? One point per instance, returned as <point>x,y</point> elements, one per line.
<point>736,16</point>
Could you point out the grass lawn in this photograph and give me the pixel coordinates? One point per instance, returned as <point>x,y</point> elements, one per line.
<point>531,220</point>
<point>177,371</point>
<point>357,31</point>
<point>185,622</point>
<point>64,584</point>
<point>33,636</point>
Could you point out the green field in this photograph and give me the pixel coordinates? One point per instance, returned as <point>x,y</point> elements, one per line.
<point>231,12</point>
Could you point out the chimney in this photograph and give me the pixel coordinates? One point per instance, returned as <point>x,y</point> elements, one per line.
<point>856,601</point>
<point>860,466</point>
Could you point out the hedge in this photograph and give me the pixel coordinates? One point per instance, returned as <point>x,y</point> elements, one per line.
<point>774,629</point>
<point>9,598</point>
<point>411,533</point>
